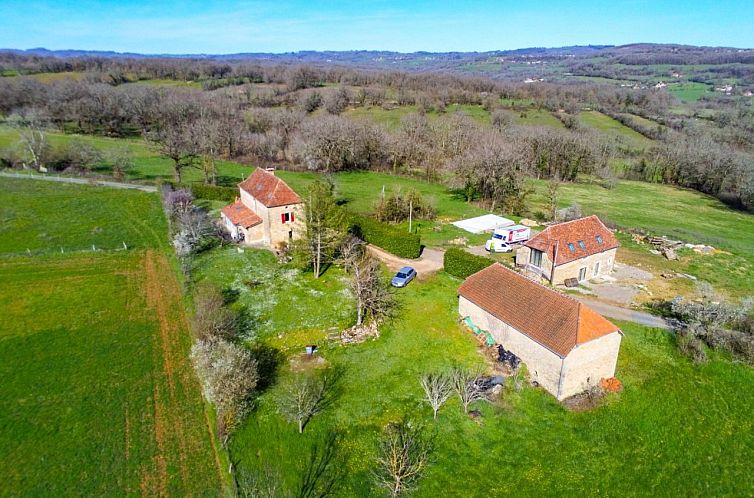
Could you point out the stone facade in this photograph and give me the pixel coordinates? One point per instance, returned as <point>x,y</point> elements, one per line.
<point>273,229</point>
<point>595,264</point>
<point>585,365</point>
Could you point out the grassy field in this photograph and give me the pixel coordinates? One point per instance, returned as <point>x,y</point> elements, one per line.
<point>45,216</point>
<point>359,191</point>
<point>98,396</point>
<point>608,125</point>
<point>688,92</point>
<point>677,429</point>
<point>148,164</point>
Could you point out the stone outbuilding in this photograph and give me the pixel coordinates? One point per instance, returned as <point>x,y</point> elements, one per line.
<point>567,347</point>
<point>267,211</point>
<point>581,249</point>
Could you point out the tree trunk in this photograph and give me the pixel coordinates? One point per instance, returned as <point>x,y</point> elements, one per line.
<point>300,426</point>
<point>318,257</point>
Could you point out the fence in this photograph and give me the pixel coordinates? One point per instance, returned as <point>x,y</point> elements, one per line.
<point>46,251</point>
<point>78,181</point>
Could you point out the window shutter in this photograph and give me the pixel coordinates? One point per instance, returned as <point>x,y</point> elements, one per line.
<point>293,218</point>
<point>282,217</point>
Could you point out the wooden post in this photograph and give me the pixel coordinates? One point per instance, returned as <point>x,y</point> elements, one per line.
<point>410,213</point>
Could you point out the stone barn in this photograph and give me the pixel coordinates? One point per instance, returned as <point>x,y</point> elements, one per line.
<point>267,211</point>
<point>581,249</point>
<point>567,347</point>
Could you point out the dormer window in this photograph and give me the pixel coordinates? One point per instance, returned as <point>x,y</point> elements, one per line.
<point>599,239</point>
<point>582,245</point>
<point>571,247</point>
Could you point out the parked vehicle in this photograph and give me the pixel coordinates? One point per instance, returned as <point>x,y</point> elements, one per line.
<point>403,277</point>
<point>502,238</point>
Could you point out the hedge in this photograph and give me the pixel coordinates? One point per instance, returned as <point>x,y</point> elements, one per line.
<point>461,264</point>
<point>214,193</point>
<point>393,240</point>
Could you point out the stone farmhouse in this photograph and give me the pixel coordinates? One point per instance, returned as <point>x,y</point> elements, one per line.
<point>267,211</point>
<point>566,346</point>
<point>580,249</point>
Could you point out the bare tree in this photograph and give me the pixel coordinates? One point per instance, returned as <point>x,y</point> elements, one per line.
<point>468,387</point>
<point>30,125</point>
<point>122,161</point>
<point>437,390</point>
<point>307,396</point>
<point>553,195</point>
<point>373,296</point>
<point>404,455</point>
<point>211,317</point>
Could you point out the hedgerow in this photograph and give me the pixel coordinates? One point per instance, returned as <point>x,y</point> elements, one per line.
<point>393,240</point>
<point>461,264</point>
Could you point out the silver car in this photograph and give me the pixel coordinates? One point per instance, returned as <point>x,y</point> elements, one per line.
<point>403,277</point>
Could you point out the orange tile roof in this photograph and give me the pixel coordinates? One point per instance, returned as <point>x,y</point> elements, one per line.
<point>241,215</point>
<point>558,237</point>
<point>550,318</point>
<point>269,189</point>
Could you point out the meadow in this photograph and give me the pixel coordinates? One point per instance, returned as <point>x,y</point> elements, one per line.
<point>676,429</point>
<point>98,396</point>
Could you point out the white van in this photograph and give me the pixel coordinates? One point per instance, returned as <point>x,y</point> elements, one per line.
<point>502,238</point>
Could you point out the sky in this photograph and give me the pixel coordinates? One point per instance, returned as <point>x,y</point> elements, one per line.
<point>218,27</point>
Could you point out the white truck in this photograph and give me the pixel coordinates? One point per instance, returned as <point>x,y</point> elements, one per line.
<point>502,238</point>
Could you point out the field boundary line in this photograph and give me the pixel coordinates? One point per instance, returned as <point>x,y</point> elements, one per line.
<point>80,181</point>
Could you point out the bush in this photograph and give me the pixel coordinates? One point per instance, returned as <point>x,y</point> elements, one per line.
<point>461,264</point>
<point>393,240</point>
<point>214,193</point>
<point>397,207</point>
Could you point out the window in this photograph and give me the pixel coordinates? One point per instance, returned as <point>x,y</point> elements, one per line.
<point>582,245</point>
<point>286,217</point>
<point>596,268</point>
<point>599,239</point>
<point>571,247</point>
<point>582,274</point>
<point>536,258</point>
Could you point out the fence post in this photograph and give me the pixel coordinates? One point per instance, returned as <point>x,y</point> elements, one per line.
<point>125,248</point>
<point>93,248</point>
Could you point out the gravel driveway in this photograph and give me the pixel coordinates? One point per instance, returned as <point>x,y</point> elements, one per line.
<point>430,261</point>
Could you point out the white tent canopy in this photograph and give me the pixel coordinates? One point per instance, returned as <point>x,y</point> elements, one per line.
<point>485,223</point>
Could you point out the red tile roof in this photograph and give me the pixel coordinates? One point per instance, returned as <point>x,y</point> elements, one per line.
<point>585,230</point>
<point>550,318</point>
<point>241,215</point>
<point>269,189</point>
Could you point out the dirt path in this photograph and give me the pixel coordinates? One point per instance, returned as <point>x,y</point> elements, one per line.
<point>627,315</point>
<point>430,261</point>
<point>80,181</point>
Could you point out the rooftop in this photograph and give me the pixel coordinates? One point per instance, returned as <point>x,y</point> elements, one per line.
<point>574,240</point>
<point>269,189</point>
<point>550,318</point>
<point>241,215</point>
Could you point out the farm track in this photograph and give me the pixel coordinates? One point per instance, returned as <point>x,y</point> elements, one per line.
<point>81,181</point>
<point>179,388</point>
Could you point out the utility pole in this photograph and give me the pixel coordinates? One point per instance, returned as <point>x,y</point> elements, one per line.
<point>410,213</point>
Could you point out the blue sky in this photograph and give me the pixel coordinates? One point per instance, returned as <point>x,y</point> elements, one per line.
<point>283,26</point>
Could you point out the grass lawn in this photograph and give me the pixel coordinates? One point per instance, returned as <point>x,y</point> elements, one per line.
<point>359,191</point>
<point>606,124</point>
<point>677,429</point>
<point>98,397</point>
<point>45,216</point>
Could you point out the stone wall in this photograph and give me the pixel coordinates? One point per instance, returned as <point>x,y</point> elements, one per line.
<point>588,363</point>
<point>605,259</point>
<point>543,365</point>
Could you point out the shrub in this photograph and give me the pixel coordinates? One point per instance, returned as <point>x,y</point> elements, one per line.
<point>461,264</point>
<point>393,240</point>
<point>397,206</point>
<point>214,193</point>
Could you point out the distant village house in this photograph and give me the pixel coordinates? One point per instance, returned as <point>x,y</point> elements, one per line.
<point>566,346</point>
<point>267,211</point>
<point>582,249</point>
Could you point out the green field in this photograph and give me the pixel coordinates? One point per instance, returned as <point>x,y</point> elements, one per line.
<point>613,128</point>
<point>688,92</point>
<point>677,429</point>
<point>98,396</point>
<point>44,216</point>
<point>148,164</point>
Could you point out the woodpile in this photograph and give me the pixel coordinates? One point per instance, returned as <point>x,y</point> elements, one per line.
<point>359,333</point>
<point>668,247</point>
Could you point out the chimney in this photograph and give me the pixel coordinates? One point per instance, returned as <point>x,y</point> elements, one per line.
<point>270,170</point>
